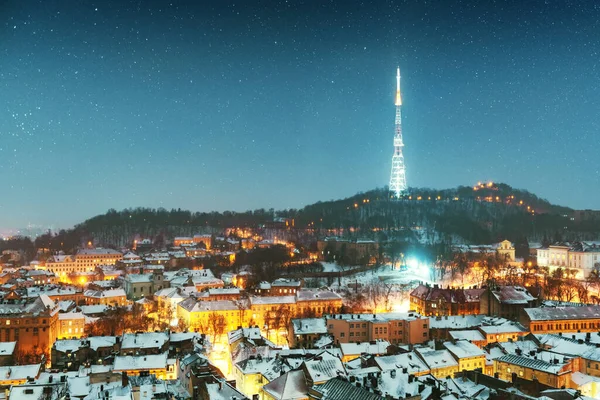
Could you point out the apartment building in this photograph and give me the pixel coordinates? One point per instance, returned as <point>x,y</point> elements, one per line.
<point>436,301</point>
<point>34,325</point>
<point>561,319</point>
<point>396,328</point>
<point>581,257</point>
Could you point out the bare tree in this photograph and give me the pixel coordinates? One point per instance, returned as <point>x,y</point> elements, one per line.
<point>216,325</point>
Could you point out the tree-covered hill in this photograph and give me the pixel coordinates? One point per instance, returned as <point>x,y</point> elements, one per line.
<point>481,214</point>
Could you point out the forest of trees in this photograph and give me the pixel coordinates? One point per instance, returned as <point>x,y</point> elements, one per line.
<point>435,215</point>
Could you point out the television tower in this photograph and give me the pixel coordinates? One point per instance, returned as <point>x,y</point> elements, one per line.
<point>398,176</point>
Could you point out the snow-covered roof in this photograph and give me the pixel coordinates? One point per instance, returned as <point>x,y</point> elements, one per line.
<point>95,309</point>
<point>139,278</point>
<point>410,361</point>
<point>289,386</point>
<point>490,325</point>
<point>130,256</point>
<point>193,305</point>
<point>286,283</point>
<point>563,313</point>
<point>456,321</point>
<point>103,294</point>
<point>270,368</point>
<point>469,334</point>
<point>323,367</point>
<point>79,386</point>
<point>305,326</point>
<point>538,363</point>
<point>272,300</point>
<point>243,333</point>
<point>19,372</point>
<point>7,348</point>
<point>437,358</point>
<point>310,295</point>
<point>512,295</point>
<point>183,336</point>
<point>97,252</point>
<point>137,363</point>
<point>70,316</point>
<point>146,340</point>
<point>26,392</point>
<point>338,389</point>
<point>223,391</point>
<point>379,347</point>
<point>223,291</point>
<point>463,349</point>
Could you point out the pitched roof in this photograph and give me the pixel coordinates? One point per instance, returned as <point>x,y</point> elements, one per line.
<point>526,362</point>
<point>338,389</point>
<point>289,386</point>
<point>563,313</point>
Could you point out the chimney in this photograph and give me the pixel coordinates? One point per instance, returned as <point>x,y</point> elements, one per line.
<point>124,379</point>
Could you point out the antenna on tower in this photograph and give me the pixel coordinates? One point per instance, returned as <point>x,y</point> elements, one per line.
<point>398,175</point>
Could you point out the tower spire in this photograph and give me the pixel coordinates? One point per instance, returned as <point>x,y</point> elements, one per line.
<point>398,175</point>
<point>398,96</point>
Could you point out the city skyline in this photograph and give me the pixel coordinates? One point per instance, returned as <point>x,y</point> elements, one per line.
<point>273,105</point>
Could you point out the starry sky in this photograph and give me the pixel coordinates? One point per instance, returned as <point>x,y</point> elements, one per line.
<point>257,104</point>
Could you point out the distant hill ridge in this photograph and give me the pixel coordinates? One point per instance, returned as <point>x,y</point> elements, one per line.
<point>483,213</point>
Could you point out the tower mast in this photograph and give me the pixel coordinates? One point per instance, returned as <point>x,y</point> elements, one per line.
<point>398,175</point>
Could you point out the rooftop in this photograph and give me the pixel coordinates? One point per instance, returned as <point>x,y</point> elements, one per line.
<point>306,326</point>
<point>464,349</point>
<point>526,362</point>
<point>563,313</point>
<point>512,295</point>
<point>98,251</point>
<point>137,363</point>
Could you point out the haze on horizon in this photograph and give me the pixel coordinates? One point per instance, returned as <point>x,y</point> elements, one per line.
<point>117,104</point>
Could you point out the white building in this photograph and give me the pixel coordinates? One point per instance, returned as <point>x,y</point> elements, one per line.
<point>583,257</point>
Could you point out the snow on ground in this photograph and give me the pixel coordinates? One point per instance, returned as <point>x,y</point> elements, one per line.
<point>331,267</point>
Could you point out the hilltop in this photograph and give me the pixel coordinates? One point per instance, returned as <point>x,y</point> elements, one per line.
<point>481,214</point>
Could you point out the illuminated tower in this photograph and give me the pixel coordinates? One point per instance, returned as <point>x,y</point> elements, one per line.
<point>398,176</point>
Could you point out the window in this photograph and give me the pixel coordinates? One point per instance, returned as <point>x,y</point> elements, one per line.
<point>342,334</point>
<point>36,332</point>
<point>425,326</point>
<point>351,334</point>
<point>351,326</point>
<point>364,325</point>
<point>424,334</point>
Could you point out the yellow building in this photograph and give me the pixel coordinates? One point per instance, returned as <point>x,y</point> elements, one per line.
<point>468,355</point>
<point>252,374</point>
<point>71,325</point>
<point>212,317</point>
<point>506,250</point>
<point>18,374</point>
<point>86,260</point>
<point>153,364</point>
<point>562,319</point>
<point>112,297</point>
<point>267,312</point>
<point>543,368</point>
<point>441,362</point>
<point>34,326</point>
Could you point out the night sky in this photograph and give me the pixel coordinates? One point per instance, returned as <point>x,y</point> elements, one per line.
<point>258,104</point>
